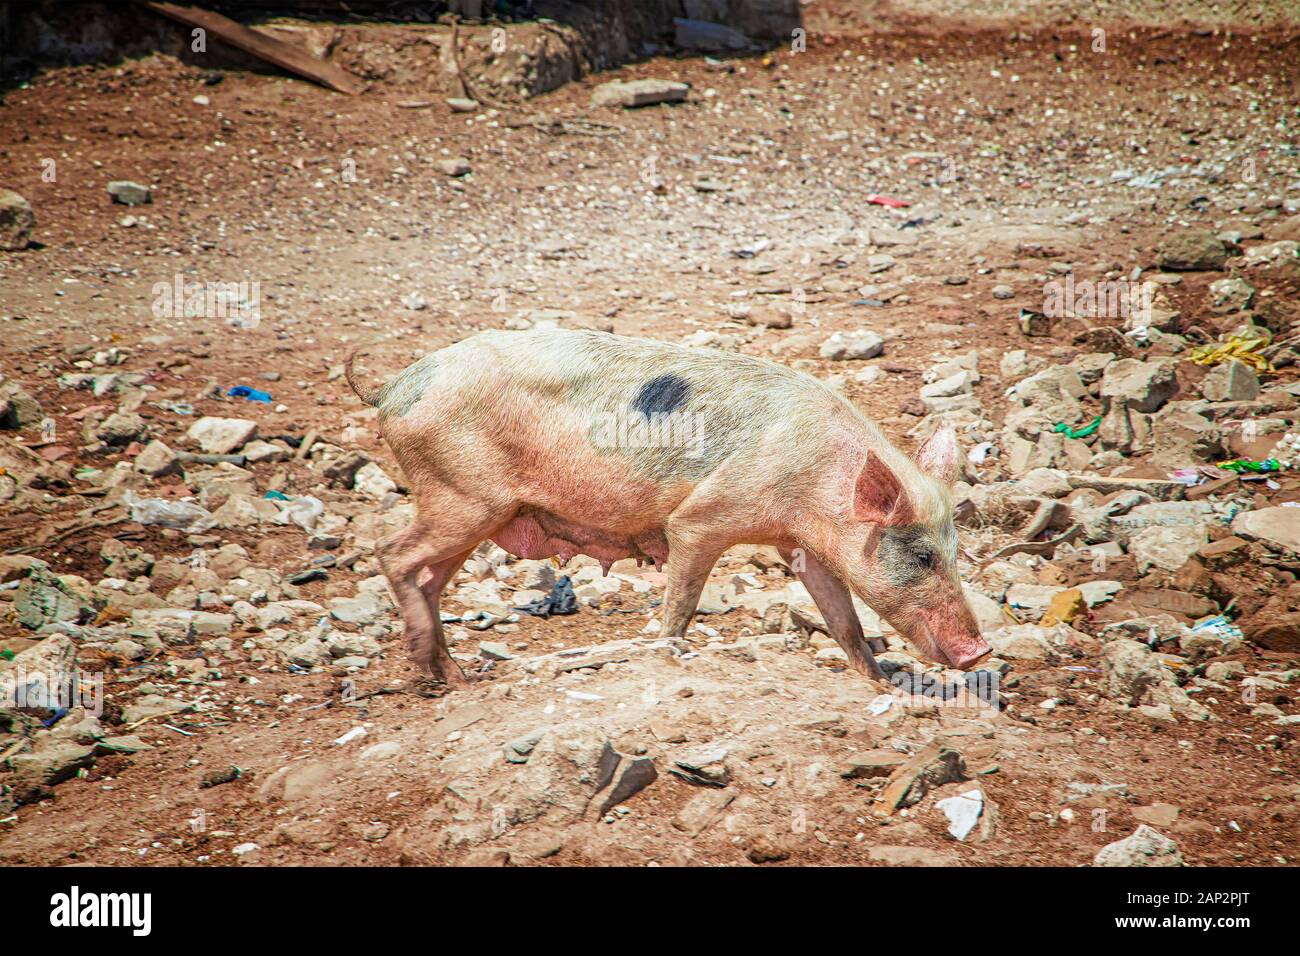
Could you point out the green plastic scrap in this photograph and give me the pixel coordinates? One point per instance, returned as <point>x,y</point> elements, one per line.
<point>1243,465</point>
<point>1083,432</point>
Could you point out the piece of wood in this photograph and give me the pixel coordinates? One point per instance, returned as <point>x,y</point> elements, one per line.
<point>268,48</point>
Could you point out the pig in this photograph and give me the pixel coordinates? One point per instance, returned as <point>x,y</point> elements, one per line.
<point>554,442</point>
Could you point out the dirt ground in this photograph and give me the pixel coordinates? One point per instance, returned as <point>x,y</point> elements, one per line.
<point>663,222</point>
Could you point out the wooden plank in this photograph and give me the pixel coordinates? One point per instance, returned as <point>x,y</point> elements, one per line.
<point>273,51</point>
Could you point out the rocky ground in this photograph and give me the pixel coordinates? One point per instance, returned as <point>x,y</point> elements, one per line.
<point>204,560</point>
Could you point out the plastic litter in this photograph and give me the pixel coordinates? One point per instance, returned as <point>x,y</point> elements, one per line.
<point>252,394</point>
<point>878,200</point>
<point>1083,432</point>
<point>1220,627</point>
<point>276,495</point>
<point>1246,466</point>
<point>302,511</point>
<point>1240,347</point>
<point>561,600</point>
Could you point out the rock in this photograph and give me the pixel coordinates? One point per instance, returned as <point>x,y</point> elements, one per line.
<point>933,766</point>
<point>703,35</point>
<point>455,167</point>
<point>1144,847</point>
<point>459,104</point>
<point>1157,815</point>
<point>1192,252</point>
<point>629,776</point>
<point>1167,548</point>
<point>872,763</point>
<point>631,94</point>
<point>910,856</point>
<point>963,812</point>
<point>956,384</point>
<point>1231,381</point>
<point>767,848</point>
<point>361,610</point>
<point>859,344</point>
<point>1135,677</point>
<point>1278,528</point>
<point>121,428</point>
<point>42,598</point>
<point>1141,386</point>
<point>34,773</point>
<point>1231,295</point>
<point>156,460</point>
<point>1021,642</point>
<point>1181,437</point>
<point>152,705</point>
<point>372,481</point>
<point>128,193</point>
<point>1003,292</point>
<point>16,221</point>
<point>702,811</point>
<point>222,436</point>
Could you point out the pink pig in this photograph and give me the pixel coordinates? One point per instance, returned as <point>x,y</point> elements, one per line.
<point>555,443</point>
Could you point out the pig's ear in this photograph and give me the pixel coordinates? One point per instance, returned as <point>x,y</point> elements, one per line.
<point>940,456</point>
<point>878,496</point>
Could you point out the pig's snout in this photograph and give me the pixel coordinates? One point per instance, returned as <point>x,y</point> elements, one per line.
<point>965,658</point>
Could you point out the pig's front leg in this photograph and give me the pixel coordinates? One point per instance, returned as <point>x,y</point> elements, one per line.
<point>835,602</point>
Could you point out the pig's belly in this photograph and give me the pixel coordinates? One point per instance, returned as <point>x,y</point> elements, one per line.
<point>538,534</point>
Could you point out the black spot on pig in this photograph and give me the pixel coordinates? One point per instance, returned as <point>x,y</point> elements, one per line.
<point>662,395</point>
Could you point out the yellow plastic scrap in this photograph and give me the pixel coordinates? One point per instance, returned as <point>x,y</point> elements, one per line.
<point>1064,608</point>
<point>1240,347</point>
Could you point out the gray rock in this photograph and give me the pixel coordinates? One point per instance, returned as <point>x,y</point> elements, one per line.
<point>222,436</point>
<point>858,344</point>
<point>1144,847</point>
<point>1231,381</point>
<point>1142,386</point>
<point>457,166</point>
<point>703,35</point>
<point>121,428</point>
<point>156,460</point>
<point>636,93</point>
<point>16,221</point>
<point>128,193</point>
<point>1192,252</point>
<point>1231,295</point>
<point>1279,528</point>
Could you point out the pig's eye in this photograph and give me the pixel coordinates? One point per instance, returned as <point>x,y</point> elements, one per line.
<point>925,559</point>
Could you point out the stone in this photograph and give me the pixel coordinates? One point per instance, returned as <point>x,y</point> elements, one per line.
<point>1135,677</point>
<point>1278,528</point>
<point>963,812</point>
<point>121,428</point>
<point>1144,847</point>
<point>455,167</point>
<point>1181,437</point>
<point>872,763</point>
<point>1192,252</point>
<point>1141,386</point>
<point>630,776</point>
<point>459,104</point>
<point>128,193</point>
<point>702,811</point>
<point>16,221</point>
<point>1022,642</point>
<point>34,773</point>
<point>910,856</point>
<point>222,436</point>
<point>631,94</point>
<point>42,598</point>
<point>1157,815</point>
<point>371,480</point>
<point>932,766</point>
<point>152,705</point>
<point>1231,295</point>
<point>855,345</point>
<point>1231,381</point>
<point>156,460</point>
<point>1167,548</point>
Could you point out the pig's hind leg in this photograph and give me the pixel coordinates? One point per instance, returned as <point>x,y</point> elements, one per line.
<point>403,556</point>
<point>835,602</point>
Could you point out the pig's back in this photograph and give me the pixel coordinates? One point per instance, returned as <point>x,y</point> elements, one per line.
<point>615,423</point>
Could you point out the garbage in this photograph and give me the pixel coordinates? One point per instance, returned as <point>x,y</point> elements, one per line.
<point>1240,347</point>
<point>561,600</point>
<point>276,495</point>
<point>252,394</point>
<point>1220,627</point>
<point>1246,466</point>
<point>302,511</point>
<point>1083,432</point>
<point>878,200</point>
